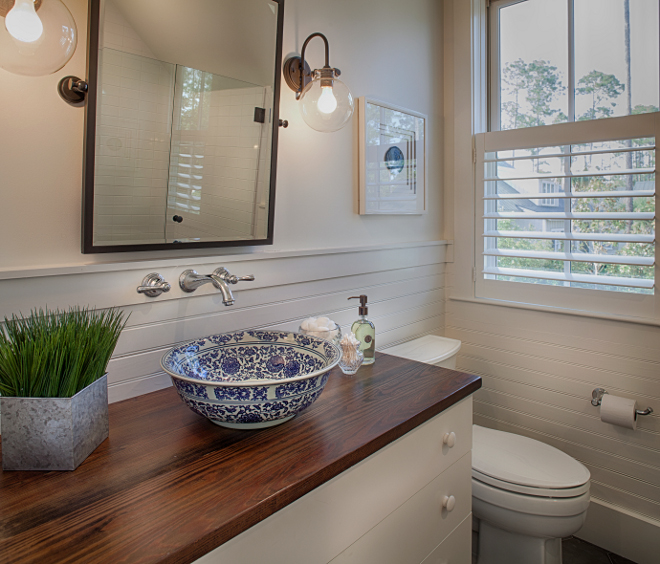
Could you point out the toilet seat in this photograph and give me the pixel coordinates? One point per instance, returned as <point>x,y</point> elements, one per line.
<point>527,490</point>
<point>531,505</point>
<point>522,465</point>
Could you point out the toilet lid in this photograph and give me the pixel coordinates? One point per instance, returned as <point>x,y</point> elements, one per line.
<point>527,490</point>
<point>521,461</point>
<point>429,349</point>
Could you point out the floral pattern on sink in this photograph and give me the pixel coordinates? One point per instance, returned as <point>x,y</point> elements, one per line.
<point>251,379</point>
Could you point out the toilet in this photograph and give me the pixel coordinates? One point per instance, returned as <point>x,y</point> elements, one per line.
<point>526,495</point>
<point>430,349</point>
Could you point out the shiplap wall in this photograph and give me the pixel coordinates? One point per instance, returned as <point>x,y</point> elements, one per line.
<point>539,367</point>
<point>404,284</point>
<point>539,370</point>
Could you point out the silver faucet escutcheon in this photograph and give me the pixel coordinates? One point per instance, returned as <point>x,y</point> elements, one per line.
<point>190,280</point>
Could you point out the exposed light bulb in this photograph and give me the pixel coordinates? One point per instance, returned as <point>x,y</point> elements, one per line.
<point>23,23</point>
<point>327,102</point>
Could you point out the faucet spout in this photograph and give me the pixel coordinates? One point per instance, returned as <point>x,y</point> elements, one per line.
<point>220,284</point>
<point>190,280</point>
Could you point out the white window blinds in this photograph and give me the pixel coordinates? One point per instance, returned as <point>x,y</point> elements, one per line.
<point>596,231</point>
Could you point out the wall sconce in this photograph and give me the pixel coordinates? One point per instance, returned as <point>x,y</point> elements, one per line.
<point>37,37</point>
<point>326,103</point>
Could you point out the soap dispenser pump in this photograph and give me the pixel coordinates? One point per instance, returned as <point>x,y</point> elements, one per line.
<point>365,331</point>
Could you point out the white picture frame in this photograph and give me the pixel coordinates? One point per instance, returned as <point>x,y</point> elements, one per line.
<point>392,159</point>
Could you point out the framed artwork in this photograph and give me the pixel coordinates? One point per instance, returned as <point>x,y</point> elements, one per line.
<point>392,159</point>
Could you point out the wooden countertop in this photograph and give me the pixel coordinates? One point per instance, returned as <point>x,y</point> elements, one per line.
<point>168,486</point>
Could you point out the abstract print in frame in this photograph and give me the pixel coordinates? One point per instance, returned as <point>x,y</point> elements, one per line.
<point>392,159</point>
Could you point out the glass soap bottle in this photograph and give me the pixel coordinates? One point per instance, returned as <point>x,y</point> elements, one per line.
<point>365,331</point>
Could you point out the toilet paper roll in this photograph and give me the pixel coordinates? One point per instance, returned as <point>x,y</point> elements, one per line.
<point>619,411</point>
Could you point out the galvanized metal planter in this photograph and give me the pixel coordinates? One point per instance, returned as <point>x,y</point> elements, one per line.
<point>54,433</point>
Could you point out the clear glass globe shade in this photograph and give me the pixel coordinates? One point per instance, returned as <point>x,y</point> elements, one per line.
<point>316,105</point>
<point>48,53</point>
<point>23,23</point>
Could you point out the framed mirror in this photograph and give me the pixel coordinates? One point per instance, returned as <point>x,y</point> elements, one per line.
<point>181,124</point>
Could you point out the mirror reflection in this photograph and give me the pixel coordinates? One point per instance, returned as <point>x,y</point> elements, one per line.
<point>185,132</point>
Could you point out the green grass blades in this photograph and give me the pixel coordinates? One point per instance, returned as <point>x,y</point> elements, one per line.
<point>55,354</point>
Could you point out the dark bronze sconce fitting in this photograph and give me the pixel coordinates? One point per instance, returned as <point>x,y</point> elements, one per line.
<point>73,90</point>
<point>297,73</point>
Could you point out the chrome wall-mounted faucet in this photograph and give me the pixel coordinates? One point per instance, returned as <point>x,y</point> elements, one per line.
<point>190,280</point>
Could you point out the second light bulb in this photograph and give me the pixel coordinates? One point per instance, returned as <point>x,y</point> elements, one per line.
<point>23,23</point>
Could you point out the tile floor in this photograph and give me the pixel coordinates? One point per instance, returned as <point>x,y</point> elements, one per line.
<point>574,551</point>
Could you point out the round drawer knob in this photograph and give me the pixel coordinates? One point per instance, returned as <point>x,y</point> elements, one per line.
<point>448,502</point>
<point>449,439</point>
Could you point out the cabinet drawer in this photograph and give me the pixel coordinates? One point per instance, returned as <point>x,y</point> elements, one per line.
<point>456,548</point>
<point>413,530</point>
<point>317,527</point>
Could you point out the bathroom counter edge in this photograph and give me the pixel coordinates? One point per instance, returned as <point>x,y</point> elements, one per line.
<point>168,486</point>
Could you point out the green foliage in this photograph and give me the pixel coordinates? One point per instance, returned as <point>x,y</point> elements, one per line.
<point>644,109</point>
<point>609,205</point>
<point>602,88</point>
<point>539,245</point>
<point>195,102</point>
<point>56,354</point>
<point>541,83</point>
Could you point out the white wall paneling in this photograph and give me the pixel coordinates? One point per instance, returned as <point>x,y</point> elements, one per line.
<point>619,531</point>
<point>539,367</point>
<point>404,284</point>
<point>538,372</point>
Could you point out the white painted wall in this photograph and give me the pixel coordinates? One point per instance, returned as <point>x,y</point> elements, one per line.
<point>539,368</point>
<point>388,49</point>
<point>323,252</point>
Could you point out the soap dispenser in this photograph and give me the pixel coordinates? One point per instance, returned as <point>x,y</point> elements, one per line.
<point>365,331</point>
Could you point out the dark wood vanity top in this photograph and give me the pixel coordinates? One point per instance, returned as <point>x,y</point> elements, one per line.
<point>168,486</point>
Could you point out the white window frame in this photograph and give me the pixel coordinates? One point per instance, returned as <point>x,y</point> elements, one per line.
<point>486,100</point>
<point>618,303</point>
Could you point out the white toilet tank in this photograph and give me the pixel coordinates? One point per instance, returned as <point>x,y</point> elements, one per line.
<point>430,349</point>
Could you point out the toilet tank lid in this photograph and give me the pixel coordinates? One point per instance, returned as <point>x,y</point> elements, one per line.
<point>524,461</point>
<point>429,349</point>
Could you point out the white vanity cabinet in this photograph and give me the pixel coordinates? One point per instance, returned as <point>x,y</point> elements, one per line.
<point>387,509</point>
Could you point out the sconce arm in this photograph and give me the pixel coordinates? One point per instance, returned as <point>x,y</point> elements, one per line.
<point>327,48</point>
<point>302,58</point>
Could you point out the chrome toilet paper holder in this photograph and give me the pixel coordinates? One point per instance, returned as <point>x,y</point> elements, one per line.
<point>597,398</point>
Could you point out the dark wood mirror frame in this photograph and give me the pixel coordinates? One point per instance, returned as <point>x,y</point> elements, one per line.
<point>87,239</point>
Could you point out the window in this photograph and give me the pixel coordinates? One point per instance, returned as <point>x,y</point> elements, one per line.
<point>549,188</point>
<point>557,69</point>
<point>557,61</point>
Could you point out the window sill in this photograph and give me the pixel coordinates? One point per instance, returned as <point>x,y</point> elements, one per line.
<point>562,311</point>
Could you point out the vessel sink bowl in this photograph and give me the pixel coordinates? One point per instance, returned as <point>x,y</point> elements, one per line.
<point>251,379</point>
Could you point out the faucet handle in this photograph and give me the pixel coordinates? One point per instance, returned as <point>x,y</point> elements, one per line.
<point>153,285</point>
<point>223,273</point>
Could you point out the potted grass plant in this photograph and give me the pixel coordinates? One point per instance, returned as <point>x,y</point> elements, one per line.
<point>53,386</point>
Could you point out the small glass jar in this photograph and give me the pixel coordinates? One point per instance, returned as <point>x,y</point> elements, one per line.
<point>333,335</point>
<point>351,358</point>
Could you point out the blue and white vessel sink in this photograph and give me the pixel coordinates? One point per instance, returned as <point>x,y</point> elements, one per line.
<point>251,379</point>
